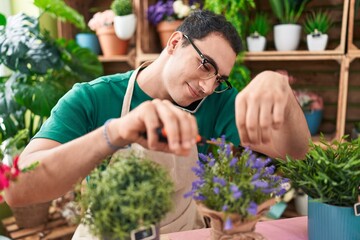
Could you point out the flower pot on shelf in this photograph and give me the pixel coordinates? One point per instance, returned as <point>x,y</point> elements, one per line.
<point>88,40</point>
<point>110,44</point>
<point>256,44</point>
<point>241,229</point>
<point>125,26</point>
<point>287,37</point>
<point>313,119</point>
<point>332,222</point>
<point>165,29</point>
<point>32,215</point>
<point>316,42</point>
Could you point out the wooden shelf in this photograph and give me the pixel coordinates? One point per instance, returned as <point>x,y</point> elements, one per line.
<point>292,55</point>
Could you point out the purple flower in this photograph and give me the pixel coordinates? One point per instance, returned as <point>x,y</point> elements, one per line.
<point>198,171</point>
<point>270,170</point>
<point>228,224</point>
<point>160,11</point>
<point>199,197</point>
<point>236,192</point>
<point>233,161</point>
<point>260,184</point>
<point>225,208</point>
<point>212,162</point>
<point>219,180</point>
<point>252,209</point>
<point>216,190</point>
<point>203,158</point>
<point>256,176</point>
<point>227,150</point>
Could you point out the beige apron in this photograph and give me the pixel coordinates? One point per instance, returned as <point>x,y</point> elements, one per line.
<point>184,215</point>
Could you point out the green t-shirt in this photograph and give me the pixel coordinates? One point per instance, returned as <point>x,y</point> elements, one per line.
<point>88,105</point>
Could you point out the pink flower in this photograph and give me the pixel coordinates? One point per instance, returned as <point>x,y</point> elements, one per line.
<point>101,19</point>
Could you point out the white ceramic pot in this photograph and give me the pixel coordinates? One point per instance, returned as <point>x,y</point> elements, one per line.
<point>256,44</point>
<point>287,36</point>
<point>316,42</point>
<point>125,26</point>
<point>301,204</point>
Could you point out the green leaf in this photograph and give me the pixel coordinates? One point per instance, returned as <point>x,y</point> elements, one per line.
<point>2,20</point>
<point>23,48</point>
<point>59,9</point>
<point>39,97</point>
<point>81,61</point>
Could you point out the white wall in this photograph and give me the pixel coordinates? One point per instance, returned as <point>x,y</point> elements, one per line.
<point>5,7</point>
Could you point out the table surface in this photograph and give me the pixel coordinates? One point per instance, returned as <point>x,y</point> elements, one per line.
<point>283,229</point>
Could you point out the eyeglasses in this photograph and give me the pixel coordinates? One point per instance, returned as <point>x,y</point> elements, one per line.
<point>207,69</point>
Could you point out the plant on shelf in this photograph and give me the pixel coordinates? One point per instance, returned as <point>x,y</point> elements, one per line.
<point>330,175</point>
<point>103,24</point>
<point>258,29</point>
<point>138,195</point>
<point>235,188</point>
<point>125,19</point>
<point>168,15</point>
<point>287,33</point>
<point>312,104</point>
<point>316,26</point>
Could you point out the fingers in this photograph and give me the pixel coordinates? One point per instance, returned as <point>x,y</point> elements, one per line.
<point>261,108</point>
<point>180,126</point>
<point>240,115</point>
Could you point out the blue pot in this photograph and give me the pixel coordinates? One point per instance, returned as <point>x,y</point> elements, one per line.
<point>313,120</point>
<point>329,222</point>
<point>88,40</point>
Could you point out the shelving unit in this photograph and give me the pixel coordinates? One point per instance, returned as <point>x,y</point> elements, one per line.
<point>353,55</point>
<point>304,65</point>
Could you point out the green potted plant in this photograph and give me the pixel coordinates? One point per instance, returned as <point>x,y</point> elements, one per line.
<point>312,105</point>
<point>128,198</point>
<point>258,29</point>
<point>103,24</point>
<point>125,19</point>
<point>235,187</point>
<point>329,175</point>
<point>316,26</point>
<point>287,33</point>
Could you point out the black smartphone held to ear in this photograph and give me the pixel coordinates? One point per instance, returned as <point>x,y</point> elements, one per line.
<point>144,233</point>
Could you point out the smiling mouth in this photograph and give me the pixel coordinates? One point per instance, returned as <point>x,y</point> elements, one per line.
<point>193,92</point>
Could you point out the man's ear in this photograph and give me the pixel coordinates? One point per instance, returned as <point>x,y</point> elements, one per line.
<point>174,42</point>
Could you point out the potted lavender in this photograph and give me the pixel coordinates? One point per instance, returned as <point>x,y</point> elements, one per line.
<point>235,188</point>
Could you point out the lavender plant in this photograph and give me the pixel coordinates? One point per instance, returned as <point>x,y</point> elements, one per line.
<point>235,182</point>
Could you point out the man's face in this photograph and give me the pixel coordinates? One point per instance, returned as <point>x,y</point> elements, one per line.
<point>184,72</point>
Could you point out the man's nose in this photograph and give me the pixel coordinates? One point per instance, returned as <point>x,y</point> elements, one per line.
<point>207,85</point>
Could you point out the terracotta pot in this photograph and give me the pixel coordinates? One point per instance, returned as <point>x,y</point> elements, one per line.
<point>242,229</point>
<point>110,44</point>
<point>165,29</point>
<point>32,215</point>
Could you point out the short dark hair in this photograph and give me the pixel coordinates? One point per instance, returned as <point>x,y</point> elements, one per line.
<point>201,23</point>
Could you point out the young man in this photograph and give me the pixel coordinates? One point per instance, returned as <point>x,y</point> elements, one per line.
<point>184,91</point>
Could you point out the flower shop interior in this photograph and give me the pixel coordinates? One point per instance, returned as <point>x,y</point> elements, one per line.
<point>325,78</point>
